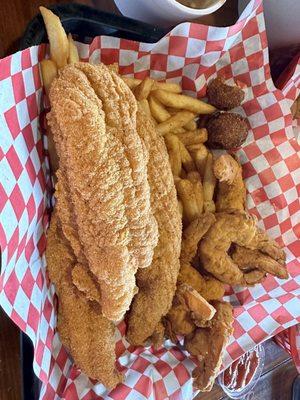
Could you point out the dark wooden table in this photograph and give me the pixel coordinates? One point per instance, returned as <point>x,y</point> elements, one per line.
<point>279,371</point>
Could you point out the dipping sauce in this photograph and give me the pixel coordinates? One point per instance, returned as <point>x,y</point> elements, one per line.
<point>241,371</point>
<point>196,3</point>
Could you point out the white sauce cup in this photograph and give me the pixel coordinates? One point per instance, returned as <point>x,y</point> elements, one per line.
<point>165,12</point>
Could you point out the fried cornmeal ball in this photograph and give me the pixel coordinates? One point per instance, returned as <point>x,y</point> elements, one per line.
<point>223,96</point>
<point>226,130</point>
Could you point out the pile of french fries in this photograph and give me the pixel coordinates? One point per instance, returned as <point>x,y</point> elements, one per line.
<point>63,50</point>
<point>175,116</point>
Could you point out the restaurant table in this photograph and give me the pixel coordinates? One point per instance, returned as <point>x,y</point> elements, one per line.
<point>279,370</point>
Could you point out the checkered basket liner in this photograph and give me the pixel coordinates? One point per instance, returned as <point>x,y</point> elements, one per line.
<point>190,54</point>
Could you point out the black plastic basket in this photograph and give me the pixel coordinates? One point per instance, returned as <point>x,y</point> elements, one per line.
<point>84,23</point>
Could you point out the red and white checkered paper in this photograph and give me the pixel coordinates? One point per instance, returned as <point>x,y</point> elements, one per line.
<point>190,54</point>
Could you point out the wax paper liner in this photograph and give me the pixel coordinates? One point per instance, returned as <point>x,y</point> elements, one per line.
<point>190,54</point>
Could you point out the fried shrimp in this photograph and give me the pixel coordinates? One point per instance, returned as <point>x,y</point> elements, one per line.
<point>237,228</point>
<point>259,255</point>
<point>231,190</point>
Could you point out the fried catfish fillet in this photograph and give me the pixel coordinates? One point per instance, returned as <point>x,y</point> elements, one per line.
<point>84,331</point>
<point>103,178</point>
<point>157,283</point>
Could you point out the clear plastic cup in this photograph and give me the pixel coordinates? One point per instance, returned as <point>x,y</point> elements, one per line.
<point>246,392</point>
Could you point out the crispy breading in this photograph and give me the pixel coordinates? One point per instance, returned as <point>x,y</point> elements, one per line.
<point>261,241</point>
<point>231,189</point>
<point>236,228</point>
<point>83,330</point>
<point>92,117</point>
<point>208,345</point>
<point>254,259</point>
<point>262,254</point>
<point>209,287</point>
<point>157,283</point>
<point>193,234</point>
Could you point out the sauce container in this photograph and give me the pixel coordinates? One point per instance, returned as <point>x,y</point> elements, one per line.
<point>165,12</point>
<point>239,379</point>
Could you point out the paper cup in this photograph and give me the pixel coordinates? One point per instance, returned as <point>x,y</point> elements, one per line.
<point>165,12</point>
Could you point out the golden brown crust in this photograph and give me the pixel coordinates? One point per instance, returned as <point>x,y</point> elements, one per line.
<point>83,330</point>
<point>157,283</point>
<point>236,228</point>
<point>208,345</point>
<point>93,117</point>
<point>231,191</point>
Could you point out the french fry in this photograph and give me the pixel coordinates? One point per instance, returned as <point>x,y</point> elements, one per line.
<point>191,126</point>
<point>178,130</point>
<point>209,183</point>
<point>132,83</point>
<point>173,147</point>
<point>73,52</point>
<point>59,45</point>
<point>181,101</point>
<point>176,121</point>
<point>199,156</point>
<point>144,105</point>
<point>194,147</point>
<point>142,91</point>
<point>187,196</point>
<point>193,137</point>
<point>195,178</point>
<point>186,159</point>
<point>49,72</point>
<point>169,87</point>
<point>158,111</point>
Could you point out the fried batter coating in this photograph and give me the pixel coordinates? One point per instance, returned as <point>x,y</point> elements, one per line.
<point>209,287</point>
<point>254,259</point>
<point>188,305</point>
<point>179,320</point>
<point>88,335</point>
<point>231,190</point>
<point>223,96</point>
<point>208,345</point>
<point>236,228</point>
<point>226,130</point>
<point>93,115</point>
<point>239,228</point>
<point>85,282</point>
<point>193,234</point>
<point>157,284</point>
<point>261,241</point>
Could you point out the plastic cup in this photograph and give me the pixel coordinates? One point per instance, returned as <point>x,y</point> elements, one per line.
<point>246,393</point>
<point>165,12</point>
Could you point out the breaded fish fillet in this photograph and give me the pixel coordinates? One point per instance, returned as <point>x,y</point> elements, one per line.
<point>157,283</point>
<point>83,330</point>
<point>103,164</point>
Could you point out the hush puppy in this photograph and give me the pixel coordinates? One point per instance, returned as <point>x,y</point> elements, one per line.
<point>226,130</point>
<point>223,96</point>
